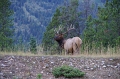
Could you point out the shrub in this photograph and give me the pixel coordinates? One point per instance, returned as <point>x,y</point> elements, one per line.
<point>39,76</point>
<point>67,72</point>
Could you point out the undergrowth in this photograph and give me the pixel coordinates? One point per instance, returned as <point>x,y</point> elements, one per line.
<point>39,76</point>
<point>67,72</point>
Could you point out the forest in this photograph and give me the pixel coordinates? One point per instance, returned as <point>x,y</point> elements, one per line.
<point>96,24</point>
<point>99,33</point>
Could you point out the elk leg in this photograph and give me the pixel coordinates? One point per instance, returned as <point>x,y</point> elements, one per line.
<point>66,52</point>
<point>75,49</point>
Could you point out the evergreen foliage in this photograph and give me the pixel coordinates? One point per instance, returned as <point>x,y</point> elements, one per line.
<point>67,72</point>
<point>70,15</point>
<point>48,39</point>
<point>33,47</point>
<point>39,76</point>
<point>6,30</point>
<point>104,30</point>
<point>32,17</point>
<point>65,16</point>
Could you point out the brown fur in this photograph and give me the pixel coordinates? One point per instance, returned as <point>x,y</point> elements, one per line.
<point>71,45</point>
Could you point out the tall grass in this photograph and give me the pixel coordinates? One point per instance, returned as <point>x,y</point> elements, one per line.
<point>86,51</point>
<point>92,49</point>
<point>23,52</point>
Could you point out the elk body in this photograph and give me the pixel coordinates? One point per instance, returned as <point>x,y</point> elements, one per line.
<point>71,45</point>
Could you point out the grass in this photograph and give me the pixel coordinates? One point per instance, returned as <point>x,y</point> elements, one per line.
<point>111,52</point>
<point>94,55</point>
<point>20,53</point>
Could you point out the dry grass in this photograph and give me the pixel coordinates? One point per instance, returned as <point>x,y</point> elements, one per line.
<point>20,53</point>
<point>111,52</point>
<point>84,54</point>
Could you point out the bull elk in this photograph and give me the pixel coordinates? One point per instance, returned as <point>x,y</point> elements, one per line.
<point>71,45</point>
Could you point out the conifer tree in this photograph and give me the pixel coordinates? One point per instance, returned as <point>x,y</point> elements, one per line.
<point>6,30</point>
<point>33,47</point>
<point>48,39</point>
<point>71,15</point>
<point>106,28</point>
<point>109,18</point>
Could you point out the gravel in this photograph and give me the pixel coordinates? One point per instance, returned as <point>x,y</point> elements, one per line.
<point>28,67</point>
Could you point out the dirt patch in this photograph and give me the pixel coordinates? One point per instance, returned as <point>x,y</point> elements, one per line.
<point>28,67</point>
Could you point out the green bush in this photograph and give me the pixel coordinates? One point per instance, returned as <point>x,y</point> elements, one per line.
<point>67,72</point>
<point>39,76</point>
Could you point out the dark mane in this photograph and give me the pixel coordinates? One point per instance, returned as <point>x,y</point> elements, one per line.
<point>61,42</point>
<point>59,38</point>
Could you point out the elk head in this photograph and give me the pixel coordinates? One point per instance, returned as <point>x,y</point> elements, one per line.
<point>58,34</point>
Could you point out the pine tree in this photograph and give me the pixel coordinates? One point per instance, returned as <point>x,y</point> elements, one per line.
<point>33,47</point>
<point>48,39</point>
<point>71,15</point>
<point>89,32</point>
<point>106,27</point>
<point>109,18</point>
<point>6,30</point>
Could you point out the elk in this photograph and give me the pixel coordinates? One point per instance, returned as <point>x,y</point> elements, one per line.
<point>71,45</point>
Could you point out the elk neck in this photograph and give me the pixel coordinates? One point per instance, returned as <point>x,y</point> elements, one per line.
<point>61,42</point>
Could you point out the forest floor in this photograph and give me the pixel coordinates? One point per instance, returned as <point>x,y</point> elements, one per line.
<point>29,67</point>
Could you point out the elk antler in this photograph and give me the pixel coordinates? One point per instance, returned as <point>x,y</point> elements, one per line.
<point>70,28</point>
<point>59,29</point>
<point>55,30</point>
